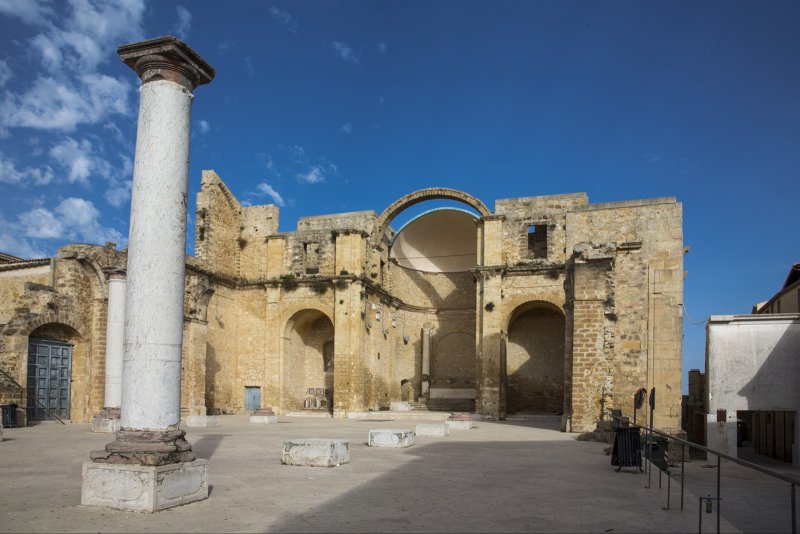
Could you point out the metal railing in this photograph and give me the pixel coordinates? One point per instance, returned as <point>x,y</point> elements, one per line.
<point>648,440</point>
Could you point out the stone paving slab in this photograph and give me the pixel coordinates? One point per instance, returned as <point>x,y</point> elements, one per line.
<point>498,477</point>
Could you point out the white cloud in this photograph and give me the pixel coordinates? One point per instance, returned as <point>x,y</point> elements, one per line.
<point>119,184</point>
<point>76,157</point>
<point>346,128</point>
<point>183,24</point>
<point>5,73</point>
<point>345,52</point>
<point>40,223</point>
<point>203,126</point>
<point>29,11</point>
<point>73,218</point>
<point>265,189</point>
<point>284,19</point>
<point>313,176</point>
<point>381,47</point>
<point>9,174</point>
<point>71,47</point>
<point>298,153</point>
<point>56,105</point>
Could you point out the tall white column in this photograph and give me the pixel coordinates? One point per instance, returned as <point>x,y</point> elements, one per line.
<point>151,366</point>
<point>115,332</point>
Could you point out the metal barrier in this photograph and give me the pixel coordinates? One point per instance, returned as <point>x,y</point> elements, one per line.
<point>649,439</point>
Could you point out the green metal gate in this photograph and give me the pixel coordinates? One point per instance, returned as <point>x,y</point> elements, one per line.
<point>49,372</point>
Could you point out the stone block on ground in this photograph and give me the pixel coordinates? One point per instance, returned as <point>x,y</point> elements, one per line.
<point>434,430</point>
<point>391,437</point>
<point>264,419</point>
<point>316,452</point>
<point>264,416</point>
<point>404,406</point>
<point>459,424</point>
<point>103,425</point>
<point>203,421</point>
<point>140,488</point>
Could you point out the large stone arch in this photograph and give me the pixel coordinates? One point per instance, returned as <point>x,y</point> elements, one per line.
<point>307,361</point>
<point>534,360</point>
<point>421,195</point>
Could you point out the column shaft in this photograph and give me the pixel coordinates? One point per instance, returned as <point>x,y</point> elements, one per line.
<point>156,259</point>
<point>115,332</point>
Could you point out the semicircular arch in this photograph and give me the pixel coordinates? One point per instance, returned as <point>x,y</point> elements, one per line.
<point>421,195</point>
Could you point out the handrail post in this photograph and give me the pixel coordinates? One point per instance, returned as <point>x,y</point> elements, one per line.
<point>683,462</point>
<point>719,497</point>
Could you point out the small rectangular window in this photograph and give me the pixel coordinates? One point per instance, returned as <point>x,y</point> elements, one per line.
<point>537,241</point>
<point>311,260</point>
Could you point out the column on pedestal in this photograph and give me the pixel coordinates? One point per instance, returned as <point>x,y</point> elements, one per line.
<point>155,466</point>
<point>108,420</point>
<point>151,377</point>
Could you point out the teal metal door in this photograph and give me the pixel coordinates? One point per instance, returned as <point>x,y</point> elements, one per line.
<point>252,398</point>
<point>49,372</point>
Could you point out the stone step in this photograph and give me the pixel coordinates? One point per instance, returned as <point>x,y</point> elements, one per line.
<point>534,416</point>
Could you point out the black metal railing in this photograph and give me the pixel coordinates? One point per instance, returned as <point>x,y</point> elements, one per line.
<point>649,439</point>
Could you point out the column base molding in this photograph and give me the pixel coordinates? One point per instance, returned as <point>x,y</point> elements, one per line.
<point>146,448</point>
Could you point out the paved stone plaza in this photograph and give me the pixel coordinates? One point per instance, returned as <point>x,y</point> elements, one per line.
<point>497,477</point>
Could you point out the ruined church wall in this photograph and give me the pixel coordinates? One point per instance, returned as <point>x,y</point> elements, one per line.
<point>638,312</point>
<point>12,286</point>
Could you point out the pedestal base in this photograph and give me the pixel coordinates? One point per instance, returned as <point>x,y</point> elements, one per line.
<point>264,419</point>
<point>203,421</point>
<point>459,425</point>
<point>103,425</point>
<point>316,452</point>
<point>438,431</point>
<point>390,437</point>
<point>140,488</point>
<point>400,406</point>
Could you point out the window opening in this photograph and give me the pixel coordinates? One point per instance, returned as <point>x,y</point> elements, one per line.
<point>537,241</point>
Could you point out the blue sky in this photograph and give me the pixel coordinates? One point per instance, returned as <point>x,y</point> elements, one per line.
<point>324,107</point>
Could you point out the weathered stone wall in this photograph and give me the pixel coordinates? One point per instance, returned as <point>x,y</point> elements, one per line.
<point>641,245</point>
<point>12,285</point>
<point>522,213</point>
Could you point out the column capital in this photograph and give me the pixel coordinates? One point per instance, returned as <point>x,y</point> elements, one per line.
<point>114,273</point>
<point>167,58</point>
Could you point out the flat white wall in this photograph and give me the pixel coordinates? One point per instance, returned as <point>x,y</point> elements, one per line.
<point>752,363</point>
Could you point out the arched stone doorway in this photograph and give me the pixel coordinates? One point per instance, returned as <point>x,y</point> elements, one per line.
<point>54,351</point>
<point>308,362</point>
<point>535,359</point>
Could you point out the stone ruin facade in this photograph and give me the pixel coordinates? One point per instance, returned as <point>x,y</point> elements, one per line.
<point>548,305</point>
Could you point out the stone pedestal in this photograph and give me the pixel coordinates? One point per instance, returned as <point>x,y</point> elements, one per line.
<point>264,416</point>
<point>434,430</point>
<point>203,421</point>
<point>107,421</point>
<point>316,452</point>
<point>459,425</point>
<point>389,437</point>
<point>459,421</point>
<point>142,488</point>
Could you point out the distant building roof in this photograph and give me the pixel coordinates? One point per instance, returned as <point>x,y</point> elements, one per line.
<point>793,276</point>
<point>8,258</point>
